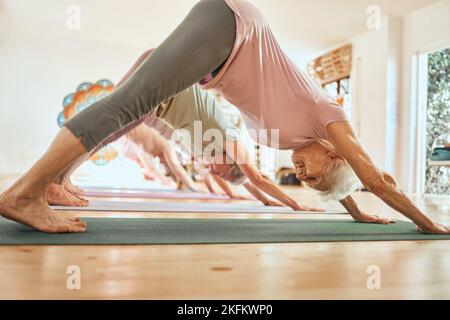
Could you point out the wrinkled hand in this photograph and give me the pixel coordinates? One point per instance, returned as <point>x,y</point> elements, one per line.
<point>299,207</point>
<point>434,229</point>
<point>367,218</point>
<point>271,203</point>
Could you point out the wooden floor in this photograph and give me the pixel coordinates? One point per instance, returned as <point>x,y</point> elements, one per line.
<point>409,270</point>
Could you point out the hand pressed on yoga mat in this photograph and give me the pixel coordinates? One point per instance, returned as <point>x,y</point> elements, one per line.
<point>271,203</point>
<point>359,216</point>
<point>367,218</point>
<point>436,228</point>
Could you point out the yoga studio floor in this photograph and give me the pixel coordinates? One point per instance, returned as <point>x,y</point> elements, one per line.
<point>334,270</point>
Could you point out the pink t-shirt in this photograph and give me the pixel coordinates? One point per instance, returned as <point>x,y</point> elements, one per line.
<point>267,87</point>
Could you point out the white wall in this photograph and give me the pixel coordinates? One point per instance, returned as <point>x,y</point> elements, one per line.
<point>425,30</point>
<point>37,70</point>
<point>393,96</point>
<point>368,83</point>
<point>375,95</point>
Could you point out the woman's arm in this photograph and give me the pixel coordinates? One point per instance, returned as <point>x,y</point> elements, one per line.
<point>261,196</point>
<point>379,183</point>
<point>209,184</point>
<point>175,166</point>
<point>238,152</point>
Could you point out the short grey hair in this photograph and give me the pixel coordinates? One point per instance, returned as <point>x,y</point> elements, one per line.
<point>343,182</point>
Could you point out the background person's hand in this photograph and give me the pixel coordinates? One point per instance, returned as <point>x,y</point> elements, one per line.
<point>299,207</point>
<point>271,203</point>
<point>240,197</point>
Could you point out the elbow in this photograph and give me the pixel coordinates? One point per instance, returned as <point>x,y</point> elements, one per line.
<point>380,185</point>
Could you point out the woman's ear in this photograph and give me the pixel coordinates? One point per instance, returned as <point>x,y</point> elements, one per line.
<point>334,155</point>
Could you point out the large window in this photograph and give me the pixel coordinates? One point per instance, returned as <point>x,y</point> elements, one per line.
<point>438,120</point>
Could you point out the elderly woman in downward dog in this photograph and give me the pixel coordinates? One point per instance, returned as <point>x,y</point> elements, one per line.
<point>225,45</point>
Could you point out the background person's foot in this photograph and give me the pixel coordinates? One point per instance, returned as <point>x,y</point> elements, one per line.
<point>58,195</point>
<point>73,189</point>
<point>35,212</point>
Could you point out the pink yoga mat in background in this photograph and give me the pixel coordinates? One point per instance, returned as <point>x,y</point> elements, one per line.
<point>152,194</point>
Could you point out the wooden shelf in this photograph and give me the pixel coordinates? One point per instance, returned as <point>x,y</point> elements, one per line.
<point>444,163</point>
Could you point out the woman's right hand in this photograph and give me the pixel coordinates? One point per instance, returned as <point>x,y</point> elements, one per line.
<point>434,229</point>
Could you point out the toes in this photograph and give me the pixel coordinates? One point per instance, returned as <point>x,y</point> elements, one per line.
<point>82,224</point>
<point>76,227</point>
<point>83,202</point>
<point>77,222</point>
<point>80,203</point>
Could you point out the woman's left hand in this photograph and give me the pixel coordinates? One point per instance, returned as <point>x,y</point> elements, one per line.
<point>367,218</point>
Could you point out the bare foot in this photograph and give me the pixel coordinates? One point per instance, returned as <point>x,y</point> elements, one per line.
<point>35,212</point>
<point>58,195</point>
<point>73,189</point>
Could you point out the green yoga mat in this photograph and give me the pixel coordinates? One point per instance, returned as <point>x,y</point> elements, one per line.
<point>213,231</point>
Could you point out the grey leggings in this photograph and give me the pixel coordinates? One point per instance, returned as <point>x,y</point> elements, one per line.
<point>198,46</point>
